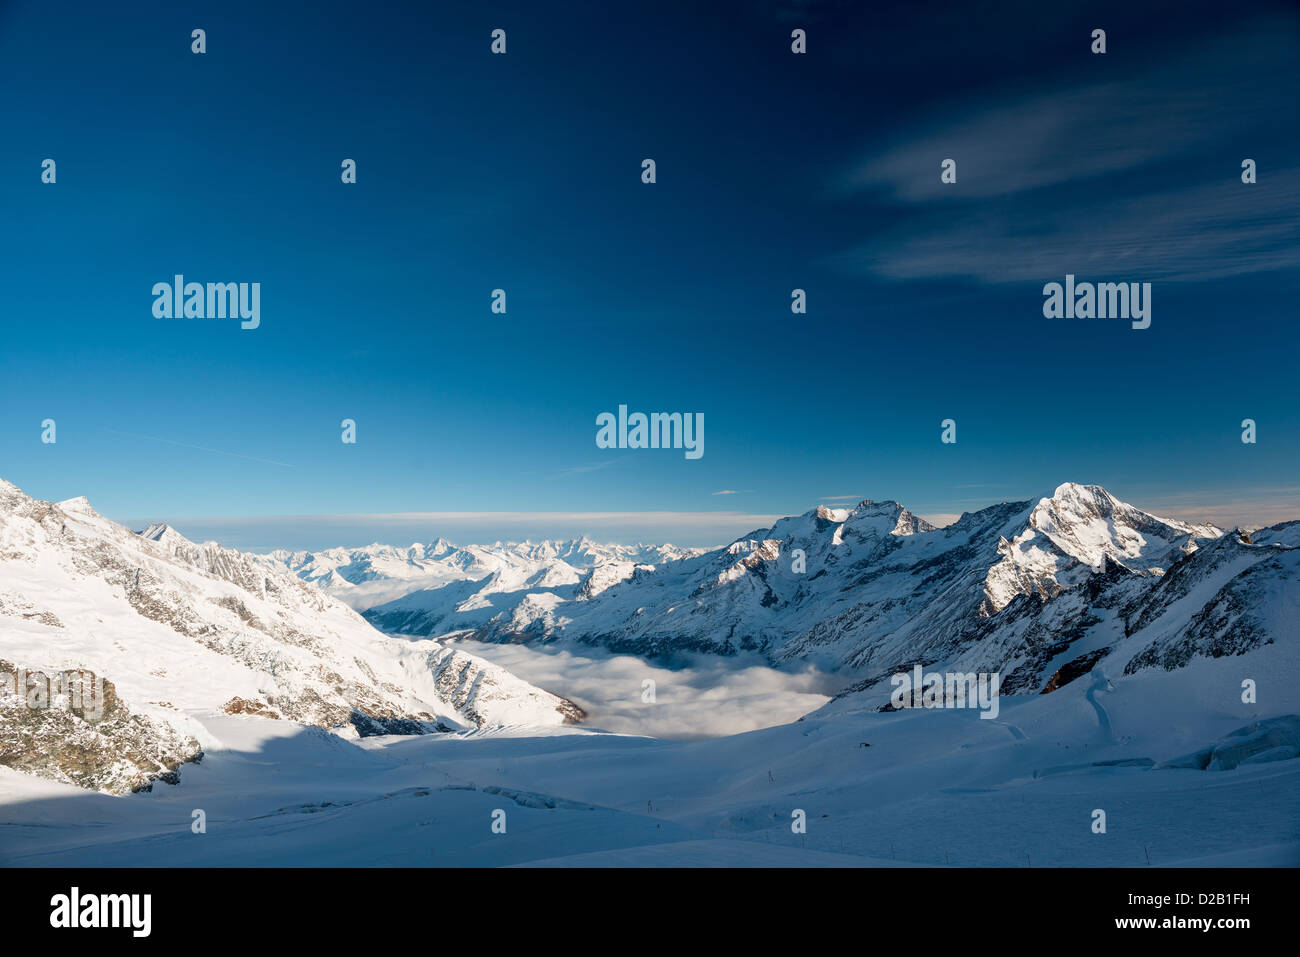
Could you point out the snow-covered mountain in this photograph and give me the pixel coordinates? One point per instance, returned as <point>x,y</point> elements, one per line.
<point>176,628</point>
<point>1162,620</point>
<point>1036,591</point>
<point>376,574</point>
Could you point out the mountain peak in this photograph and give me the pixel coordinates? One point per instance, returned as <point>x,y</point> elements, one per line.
<point>164,535</point>
<point>829,513</point>
<point>1079,530</point>
<point>871,507</point>
<point>1077,492</point>
<point>155,532</point>
<point>80,504</point>
<point>1072,503</point>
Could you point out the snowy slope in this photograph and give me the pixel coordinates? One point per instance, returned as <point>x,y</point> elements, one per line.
<point>179,627</point>
<point>919,788</point>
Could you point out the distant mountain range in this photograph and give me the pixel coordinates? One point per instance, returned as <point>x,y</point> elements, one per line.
<point>1038,590</point>
<point>374,574</point>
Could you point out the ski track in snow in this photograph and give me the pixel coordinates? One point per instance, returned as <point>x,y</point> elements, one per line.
<point>1011,729</point>
<point>1100,683</point>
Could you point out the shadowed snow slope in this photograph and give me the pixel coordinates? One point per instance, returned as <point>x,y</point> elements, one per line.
<point>933,787</point>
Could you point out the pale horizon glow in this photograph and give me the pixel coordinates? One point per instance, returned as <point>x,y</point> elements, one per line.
<point>688,529</point>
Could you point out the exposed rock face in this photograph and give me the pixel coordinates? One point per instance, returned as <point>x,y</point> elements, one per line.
<point>608,575</point>
<point>73,728</point>
<point>238,705</point>
<point>1242,594</point>
<point>463,679</point>
<point>1075,668</point>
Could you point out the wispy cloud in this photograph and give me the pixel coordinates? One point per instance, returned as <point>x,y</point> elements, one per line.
<point>200,448</point>
<point>1198,233</point>
<point>733,491</point>
<point>591,467</point>
<point>1082,177</point>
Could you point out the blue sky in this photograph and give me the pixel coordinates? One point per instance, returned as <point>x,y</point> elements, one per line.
<point>522,172</point>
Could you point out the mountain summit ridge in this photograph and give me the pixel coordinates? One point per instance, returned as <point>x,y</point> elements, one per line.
<point>1020,588</point>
